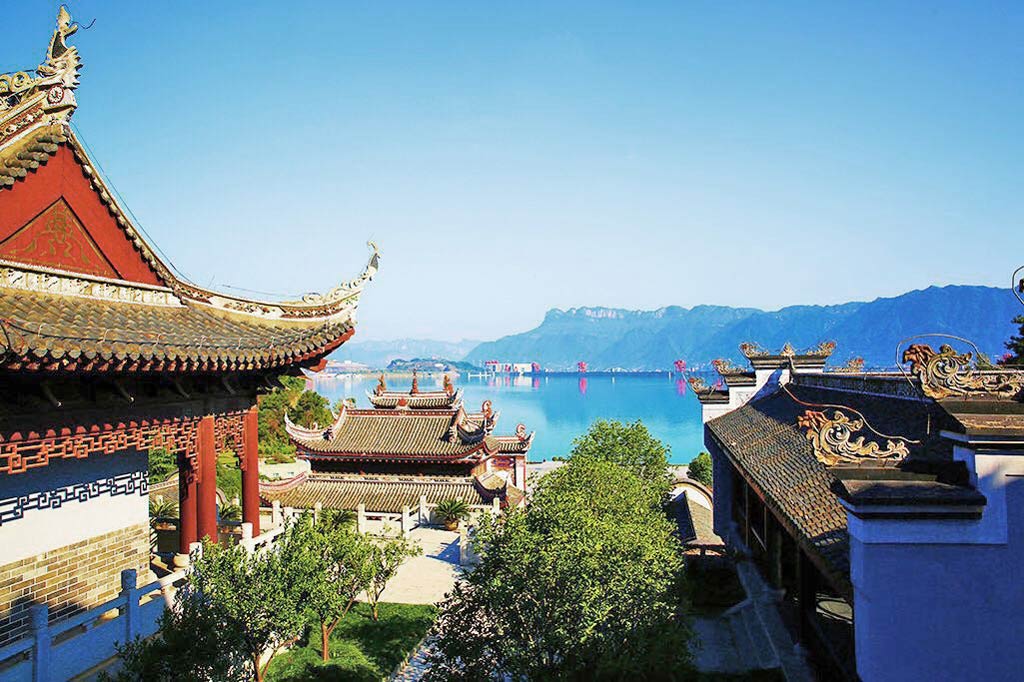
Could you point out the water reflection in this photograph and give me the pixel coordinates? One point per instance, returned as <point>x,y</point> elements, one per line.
<point>560,408</point>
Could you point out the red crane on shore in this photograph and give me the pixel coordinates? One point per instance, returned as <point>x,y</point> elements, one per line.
<point>581,366</point>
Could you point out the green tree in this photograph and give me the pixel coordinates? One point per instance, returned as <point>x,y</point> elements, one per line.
<point>700,469</point>
<point>235,607</point>
<point>337,565</point>
<point>629,445</point>
<point>303,407</point>
<point>583,584</point>
<point>193,642</point>
<point>162,464</point>
<point>386,556</point>
<point>1015,345</point>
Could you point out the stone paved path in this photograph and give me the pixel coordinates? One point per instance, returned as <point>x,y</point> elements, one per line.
<point>714,647</point>
<point>426,578</point>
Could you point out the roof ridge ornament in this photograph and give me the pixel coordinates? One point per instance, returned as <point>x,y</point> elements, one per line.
<point>751,349</point>
<point>727,368</point>
<point>832,439</point>
<point>945,373</point>
<point>48,97</point>
<point>345,289</point>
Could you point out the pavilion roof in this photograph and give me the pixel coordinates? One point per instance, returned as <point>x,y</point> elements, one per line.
<point>387,494</point>
<point>82,289</point>
<point>450,435</point>
<point>427,400</point>
<point>771,442</point>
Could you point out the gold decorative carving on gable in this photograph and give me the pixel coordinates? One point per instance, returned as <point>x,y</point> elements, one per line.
<point>947,373</point>
<point>56,238</point>
<point>833,442</point>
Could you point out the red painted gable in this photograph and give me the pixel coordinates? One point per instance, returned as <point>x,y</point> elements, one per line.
<point>53,218</point>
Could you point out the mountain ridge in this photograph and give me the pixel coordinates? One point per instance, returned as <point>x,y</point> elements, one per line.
<point>652,339</point>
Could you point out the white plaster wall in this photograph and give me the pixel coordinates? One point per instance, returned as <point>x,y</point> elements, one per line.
<point>64,519</point>
<point>941,600</point>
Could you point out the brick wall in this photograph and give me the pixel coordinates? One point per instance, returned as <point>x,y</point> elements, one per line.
<point>70,579</point>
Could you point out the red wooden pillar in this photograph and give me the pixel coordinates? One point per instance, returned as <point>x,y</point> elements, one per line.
<point>251,471</point>
<point>187,528</point>
<point>207,488</point>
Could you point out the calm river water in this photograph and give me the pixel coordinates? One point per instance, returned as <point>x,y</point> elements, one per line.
<point>560,408</point>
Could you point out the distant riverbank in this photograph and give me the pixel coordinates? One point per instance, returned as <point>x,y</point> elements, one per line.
<point>560,407</point>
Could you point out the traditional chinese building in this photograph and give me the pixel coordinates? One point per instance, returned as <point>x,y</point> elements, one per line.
<point>106,354</point>
<point>410,447</point>
<point>887,509</point>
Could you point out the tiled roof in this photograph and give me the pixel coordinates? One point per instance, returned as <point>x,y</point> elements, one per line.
<point>82,290</point>
<point>774,455</point>
<point>54,332</point>
<point>431,400</point>
<point>378,494</point>
<point>695,522</point>
<point>404,435</point>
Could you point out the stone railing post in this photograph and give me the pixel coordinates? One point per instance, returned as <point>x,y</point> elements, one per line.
<point>275,513</point>
<point>361,518</point>
<point>406,520</point>
<point>463,549</point>
<point>424,512</point>
<point>40,615</point>
<point>496,505</point>
<point>129,579</point>
<point>318,509</point>
<point>167,590</point>
<point>289,513</point>
<point>246,541</point>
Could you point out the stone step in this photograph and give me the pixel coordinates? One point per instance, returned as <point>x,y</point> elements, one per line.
<point>740,635</point>
<point>762,652</point>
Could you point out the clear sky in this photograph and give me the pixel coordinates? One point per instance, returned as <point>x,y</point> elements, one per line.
<point>509,160</point>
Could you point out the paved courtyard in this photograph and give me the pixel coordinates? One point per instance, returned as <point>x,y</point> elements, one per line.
<point>426,578</point>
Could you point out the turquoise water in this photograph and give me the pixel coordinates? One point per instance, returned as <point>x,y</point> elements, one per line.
<point>560,408</point>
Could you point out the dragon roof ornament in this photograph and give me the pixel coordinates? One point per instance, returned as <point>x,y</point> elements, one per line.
<point>727,368</point>
<point>946,373</point>
<point>347,289</point>
<point>755,350</point>
<point>29,101</point>
<point>699,386</point>
<point>832,439</point>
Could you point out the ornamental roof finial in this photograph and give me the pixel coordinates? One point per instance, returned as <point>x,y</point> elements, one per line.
<point>28,101</point>
<point>381,386</point>
<point>415,384</point>
<point>448,387</point>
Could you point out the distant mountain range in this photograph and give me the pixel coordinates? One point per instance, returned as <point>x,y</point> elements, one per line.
<point>378,354</point>
<point>639,339</point>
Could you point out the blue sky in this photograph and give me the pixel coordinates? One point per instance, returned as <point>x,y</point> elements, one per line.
<point>509,160</point>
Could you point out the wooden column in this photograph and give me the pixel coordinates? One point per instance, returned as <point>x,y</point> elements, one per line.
<point>251,472</point>
<point>187,528</point>
<point>207,488</point>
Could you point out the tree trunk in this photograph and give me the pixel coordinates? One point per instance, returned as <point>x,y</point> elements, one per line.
<point>256,667</point>
<point>375,617</point>
<point>325,636</point>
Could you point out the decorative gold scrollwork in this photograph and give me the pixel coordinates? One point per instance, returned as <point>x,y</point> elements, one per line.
<point>833,443</point>
<point>947,373</point>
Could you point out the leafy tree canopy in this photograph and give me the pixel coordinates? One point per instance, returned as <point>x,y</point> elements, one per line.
<point>162,465</point>
<point>584,584</point>
<point>629,445</point>
<point>303,407</point>
<point>1015,346</point>
<point>700,469</point>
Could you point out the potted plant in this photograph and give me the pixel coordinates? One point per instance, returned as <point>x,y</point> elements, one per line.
<point>160,509</point>
<point>451,512</point>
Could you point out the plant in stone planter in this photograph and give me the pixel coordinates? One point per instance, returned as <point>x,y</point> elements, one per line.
<point>230,512</point>
<point>160,508</point>
<point>451,512</point>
